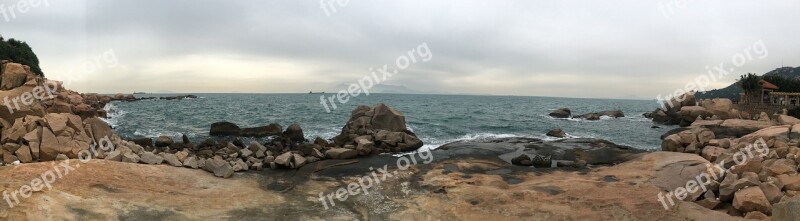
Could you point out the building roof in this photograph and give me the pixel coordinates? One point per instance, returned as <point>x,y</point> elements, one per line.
<point>767,85</point>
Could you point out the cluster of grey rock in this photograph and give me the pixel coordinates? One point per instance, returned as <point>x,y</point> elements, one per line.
<point>369,131</point>
<point>567,113</point>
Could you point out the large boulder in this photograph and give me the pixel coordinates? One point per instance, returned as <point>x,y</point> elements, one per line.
<point>51,146</point>
<point>13,76</point>
<point>383,124</point>
<point>224,129</point>
<point>766,134</point>
<point>561,113</point>
<point>739,127</point>
<point>99,129</point>
<point>387,118</point>
<point>720,107</point>
<point>690,113</point>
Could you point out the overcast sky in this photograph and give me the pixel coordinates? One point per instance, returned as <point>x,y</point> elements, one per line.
<point>589,48</point>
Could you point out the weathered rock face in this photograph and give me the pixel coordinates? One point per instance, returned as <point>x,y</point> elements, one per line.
<point>562,113</point>
<point>386,118</point>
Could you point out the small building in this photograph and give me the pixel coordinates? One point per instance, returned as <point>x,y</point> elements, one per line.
<point>769,95</point>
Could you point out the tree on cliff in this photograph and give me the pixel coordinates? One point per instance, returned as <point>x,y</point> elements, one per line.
<point>750,84</point>
<point>20,52</point>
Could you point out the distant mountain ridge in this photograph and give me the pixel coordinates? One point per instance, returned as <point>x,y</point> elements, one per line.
<point>732,92</point>
<point>385,89</point>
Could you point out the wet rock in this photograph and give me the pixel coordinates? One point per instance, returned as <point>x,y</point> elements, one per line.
<point>164,141</point>
<point>561,113</point>
<point>557,133</point>
<point>224,129</point>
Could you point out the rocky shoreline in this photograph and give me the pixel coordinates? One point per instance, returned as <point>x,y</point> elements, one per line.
<point>510,178</point>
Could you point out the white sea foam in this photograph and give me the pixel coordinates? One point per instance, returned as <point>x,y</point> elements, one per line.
<point>113,114</point>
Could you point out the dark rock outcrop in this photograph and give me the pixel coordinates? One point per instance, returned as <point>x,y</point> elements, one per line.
<point>561,113</point>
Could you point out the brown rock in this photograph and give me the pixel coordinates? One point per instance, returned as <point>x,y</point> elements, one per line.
<point>752,199</point>
<point>780,166</point>
<point>24,154</point>
<point>99,129</point>
<point>790,182</point>
<point>711,153</point>
<point>772,192</point>
<point>13,76</point>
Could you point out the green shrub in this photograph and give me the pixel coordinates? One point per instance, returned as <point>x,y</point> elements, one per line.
<point>19,52</point>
